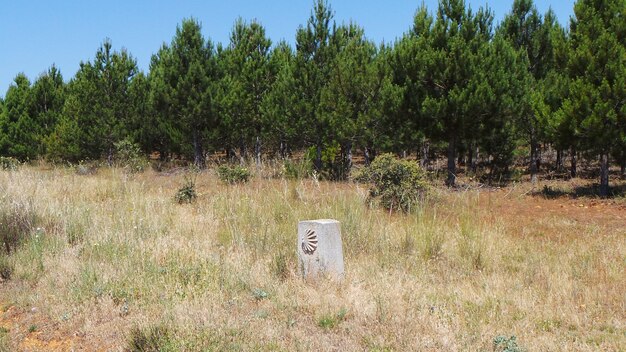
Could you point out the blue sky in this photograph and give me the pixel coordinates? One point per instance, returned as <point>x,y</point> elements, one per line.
<point>36,34</point>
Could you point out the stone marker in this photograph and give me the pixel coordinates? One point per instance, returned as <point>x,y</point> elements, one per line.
<point>319,249</point>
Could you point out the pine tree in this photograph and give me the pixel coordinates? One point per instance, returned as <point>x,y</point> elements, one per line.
<point>99,105</point>
<point>597,69</point>
<point>315,53</point>
<point>410,126</point>
<point>277,106</point>
<point>537,37</point>
<point>47,98</point>
<point>18,130</point>
<point>353,99</point>
<point>457,36</point>
<point>247,80</point>
<point>183,79</point>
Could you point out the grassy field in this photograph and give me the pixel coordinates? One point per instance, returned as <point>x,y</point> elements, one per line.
<point>112,262</point>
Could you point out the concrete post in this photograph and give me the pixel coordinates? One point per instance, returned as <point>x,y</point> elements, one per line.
<point>320,251</point>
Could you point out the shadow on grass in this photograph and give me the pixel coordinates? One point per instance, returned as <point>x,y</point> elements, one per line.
<point>590,191</point>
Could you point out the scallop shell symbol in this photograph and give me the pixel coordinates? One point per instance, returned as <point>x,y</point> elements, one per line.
<point>309,244</point>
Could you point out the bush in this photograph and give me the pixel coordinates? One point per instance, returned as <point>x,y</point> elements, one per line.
<point>298,170</point>
<point>8,163</point>
<point>17,221</point>
<point>398,184</point>
<point>506,344</point>
<point>187,193</point>
<point>153,339</point>
<point>129,156</point>
<point>233,174</point>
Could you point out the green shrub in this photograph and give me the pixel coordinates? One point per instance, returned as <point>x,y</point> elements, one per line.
<point>187,193</point>
<point>330,321</point>
<point>296,170</point>
<point>153,339</point>
<point>129,156</point>
<point>233,174</point>
<point>398,184</point>
<point>8,163</point>
<point>506,344</point>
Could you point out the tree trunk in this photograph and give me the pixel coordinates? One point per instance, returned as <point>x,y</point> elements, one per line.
<point>470,158</point>
<point>451,180</point>
<point>283,149</point>
<point>257,152</point>
<point>318,157</point>
<point>425,151</point>
<point>348,159</point>
<point>604,175</point>
<point>474,161</point>
<point>110,156</point>
<point>198,155</point>
<point>242,151</point>
<point>366,156</point>
<point>559,160</point>
<point>534,165</point>
<point>573,172</point>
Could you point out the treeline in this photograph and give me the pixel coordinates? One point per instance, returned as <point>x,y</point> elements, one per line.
<point>453,83</point>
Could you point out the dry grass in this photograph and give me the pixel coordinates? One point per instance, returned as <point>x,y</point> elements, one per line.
<point>111,256</point>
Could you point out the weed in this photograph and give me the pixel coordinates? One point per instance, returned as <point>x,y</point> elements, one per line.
<point>259,294</point>
<point>32,328</point>
<point>152,339</point>
<point>187,193</point>
<point>8,163</point>
<point>296,170</point>
<point>506,344</point>
<point>330,321</point>
<point>280,267</point>
<point>233,174</point>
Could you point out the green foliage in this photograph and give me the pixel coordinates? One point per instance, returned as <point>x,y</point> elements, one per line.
<point>187,193</point>
<point>233,174</point>
<point>129,156</point>
<point>152,339</point>
<point>259,294</point>
<point>18,131</point>
<point>247,79</point>
<point>597,73</point>
<point>296,170</point>
<point>330,321</point>
<point>451,81</point>
<point>8,163</point>
<point>98,109</point>
<point>183,80</point>
<point>399,184</point>
<point>506,344</point>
